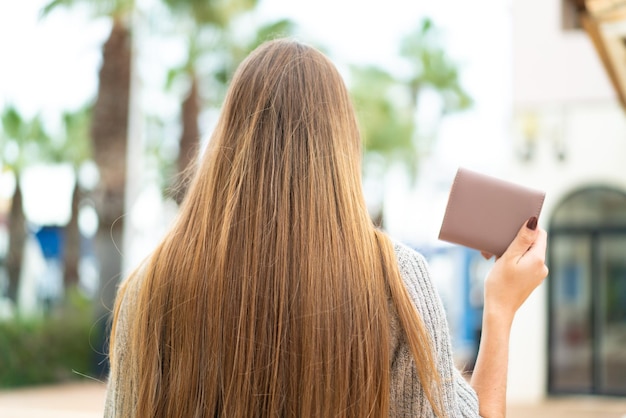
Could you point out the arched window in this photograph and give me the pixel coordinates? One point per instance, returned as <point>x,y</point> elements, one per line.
<point>591,207</point>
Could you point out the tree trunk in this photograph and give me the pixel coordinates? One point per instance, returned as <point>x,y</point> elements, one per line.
<point>110,125</point>
<point>17,240</point>
<point>71,247</point>
<point>109,133</point>
<point>189,139</point>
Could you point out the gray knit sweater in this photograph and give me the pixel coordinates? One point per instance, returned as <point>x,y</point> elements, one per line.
<point>407,395</point>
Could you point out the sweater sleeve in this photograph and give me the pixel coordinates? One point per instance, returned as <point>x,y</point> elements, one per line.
<point>407,395</point>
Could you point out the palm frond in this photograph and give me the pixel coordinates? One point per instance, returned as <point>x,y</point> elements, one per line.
<point>12,122</point>
<point>55,4</point>
<point>272,30</point>
<point>111,8</point>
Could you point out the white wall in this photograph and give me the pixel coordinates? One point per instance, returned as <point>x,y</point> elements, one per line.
<point>551,64</point>
<point>595,148</point>
<point>561,88</point>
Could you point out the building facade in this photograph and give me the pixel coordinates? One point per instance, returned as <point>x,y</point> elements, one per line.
<point>569,139</point>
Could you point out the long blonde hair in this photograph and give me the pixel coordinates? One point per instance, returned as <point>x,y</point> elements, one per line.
<point>270,296</point>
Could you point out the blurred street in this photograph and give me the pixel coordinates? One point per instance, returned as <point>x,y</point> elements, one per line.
<point>571,407</point>
<point>72,400</point>
<point>86,400</point>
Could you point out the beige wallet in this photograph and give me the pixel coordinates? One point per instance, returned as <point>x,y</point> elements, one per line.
<point>485,213</point>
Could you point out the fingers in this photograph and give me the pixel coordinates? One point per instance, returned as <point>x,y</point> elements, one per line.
<point>519,271</point>
<point>525,238</point>
<point>537,253</point>
<point>538,248</point>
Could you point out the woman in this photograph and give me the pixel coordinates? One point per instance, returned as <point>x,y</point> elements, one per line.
<point>273,295</point>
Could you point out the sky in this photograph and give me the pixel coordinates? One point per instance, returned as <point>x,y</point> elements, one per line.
<point>51,64</point>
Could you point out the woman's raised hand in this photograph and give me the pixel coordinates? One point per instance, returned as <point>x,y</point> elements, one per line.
<point>509,283</point>
<point>518,271</point>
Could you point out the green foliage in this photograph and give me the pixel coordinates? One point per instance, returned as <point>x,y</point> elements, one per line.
<point>432,67</point>
<point>111,8</point>
<point>387,105</point>
<point>22,141</point>
<point>214,50</point>
<point>160,152</point>
<point>210,29</point>
<point>386,125</point>
<point>48,350</point>
<point>214,12</point>
<point>236,52</point>
<point>25,141</point>
<point>74,144</point>
<point>272,30</point>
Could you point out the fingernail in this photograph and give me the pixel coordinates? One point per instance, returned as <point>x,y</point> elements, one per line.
<point>532,223</point>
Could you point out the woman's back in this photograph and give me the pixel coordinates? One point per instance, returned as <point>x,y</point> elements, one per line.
<point>274,295</point>
<point>406,394</point>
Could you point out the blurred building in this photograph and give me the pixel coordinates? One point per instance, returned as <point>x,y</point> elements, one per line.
<point>569,139</point>
<point>560,126</point>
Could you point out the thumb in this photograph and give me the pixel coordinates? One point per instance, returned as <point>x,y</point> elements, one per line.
<point>524,238</point>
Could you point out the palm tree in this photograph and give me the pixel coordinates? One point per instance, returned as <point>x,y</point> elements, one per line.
<point>25,142</point>
<point>109,132</point>
<point>75,148</point>
<point>387,105</point>
<point>21,145</point>
<point>206,21</point>
<point>386,126</point>
<point>432,68</point>
<point>189,114</point>
<point>210,37</point>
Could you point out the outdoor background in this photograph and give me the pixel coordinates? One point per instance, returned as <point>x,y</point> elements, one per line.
<point>103,104</point>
